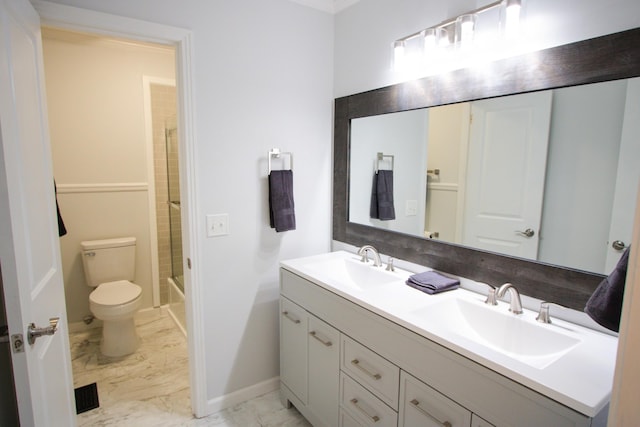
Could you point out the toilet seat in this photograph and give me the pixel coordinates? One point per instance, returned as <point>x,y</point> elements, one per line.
<point>116,293</point>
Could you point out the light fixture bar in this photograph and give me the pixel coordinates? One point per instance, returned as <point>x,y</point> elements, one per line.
<point>452,21</point>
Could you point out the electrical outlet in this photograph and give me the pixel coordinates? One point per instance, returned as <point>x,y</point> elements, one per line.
<point>217,225</point>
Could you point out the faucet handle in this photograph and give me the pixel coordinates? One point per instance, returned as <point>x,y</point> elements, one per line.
<point>390,265</point>
<point>491,295</point>
<point>543,315</point>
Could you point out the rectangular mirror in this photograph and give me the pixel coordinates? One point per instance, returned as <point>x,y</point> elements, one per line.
<point>566,188</point>
<point>547,176</point>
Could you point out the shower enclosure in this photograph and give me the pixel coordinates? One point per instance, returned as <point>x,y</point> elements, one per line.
<point>176,278</point>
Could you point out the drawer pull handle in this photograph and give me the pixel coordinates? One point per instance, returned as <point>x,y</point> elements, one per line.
<point>356,363</point>
<point>373,418</point>
<point>290,317</point>
<point>315,335</point>
<point>416,405</point>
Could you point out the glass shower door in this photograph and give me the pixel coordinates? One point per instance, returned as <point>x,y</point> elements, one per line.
<point>174,207</point>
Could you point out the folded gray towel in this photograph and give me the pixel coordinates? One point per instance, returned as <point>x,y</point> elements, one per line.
<point>382,196</point>
<point>605,304</point>
<point>432,282</point>
<point>282,215</point>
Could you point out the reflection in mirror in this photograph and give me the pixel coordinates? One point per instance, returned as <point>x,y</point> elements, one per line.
<point>550,176</point>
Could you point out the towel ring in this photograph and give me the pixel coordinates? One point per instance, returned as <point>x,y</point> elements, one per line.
<point>380,157</point>
<point>275,152</point>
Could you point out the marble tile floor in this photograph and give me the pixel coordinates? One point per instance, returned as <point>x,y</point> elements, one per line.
<point>151,386</point>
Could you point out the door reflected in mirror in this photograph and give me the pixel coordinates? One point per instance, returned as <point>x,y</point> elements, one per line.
<point>550,176</point>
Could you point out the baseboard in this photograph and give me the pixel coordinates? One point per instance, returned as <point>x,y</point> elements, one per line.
<point>248,393</point>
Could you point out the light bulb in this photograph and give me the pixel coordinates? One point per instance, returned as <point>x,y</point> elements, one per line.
<point>511,16</point>
<point>430,39</point>
<point>398,55</point>
<point>465,26</point>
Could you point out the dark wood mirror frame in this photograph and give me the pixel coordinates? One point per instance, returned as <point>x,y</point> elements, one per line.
<point>611,57</point>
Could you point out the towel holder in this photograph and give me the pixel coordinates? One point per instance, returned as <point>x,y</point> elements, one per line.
<point>275,152</point>
<point>380,157</point>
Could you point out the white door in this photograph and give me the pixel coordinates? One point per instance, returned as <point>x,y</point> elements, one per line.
<point>505,173</point>
<point>628,178</point>
<point>29,245</point>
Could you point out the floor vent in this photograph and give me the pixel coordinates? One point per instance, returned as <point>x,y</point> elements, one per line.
<point>87,398</point>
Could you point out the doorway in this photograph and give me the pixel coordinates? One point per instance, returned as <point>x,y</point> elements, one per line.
<point>105,168</point>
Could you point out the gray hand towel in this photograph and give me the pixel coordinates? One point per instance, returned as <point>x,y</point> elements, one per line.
<point>281,207</point>
<point>382,196</point>
<point>431,282</point>
<point>605,304</point>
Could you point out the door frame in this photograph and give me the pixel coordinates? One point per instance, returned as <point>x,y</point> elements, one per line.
<point>83,20</point>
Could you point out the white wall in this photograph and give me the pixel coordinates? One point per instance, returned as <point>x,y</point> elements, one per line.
<point>262,79</point>
<point>365,31</point>
<point>97,128</point>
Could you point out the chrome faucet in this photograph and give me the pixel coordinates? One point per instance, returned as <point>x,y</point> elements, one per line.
<point>515,305</point>
<point>376,255</point>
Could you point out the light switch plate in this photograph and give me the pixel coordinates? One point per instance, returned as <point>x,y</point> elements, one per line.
<point>217,225</point>
<point>411,208</point>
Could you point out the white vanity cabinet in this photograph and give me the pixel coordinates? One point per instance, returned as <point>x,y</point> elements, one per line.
<point>388,375</point>
<point>309,364</point>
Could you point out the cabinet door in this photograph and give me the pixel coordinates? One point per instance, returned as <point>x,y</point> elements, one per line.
<point>324,371</point>
<point>421,405</point>
<point>293,348</point>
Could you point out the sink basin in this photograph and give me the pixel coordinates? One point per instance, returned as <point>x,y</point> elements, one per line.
<point>352,273</point>
<point>536,344</point>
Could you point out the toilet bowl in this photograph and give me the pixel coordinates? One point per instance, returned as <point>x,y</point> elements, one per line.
<point>109,267</point>
<point>116,303</point>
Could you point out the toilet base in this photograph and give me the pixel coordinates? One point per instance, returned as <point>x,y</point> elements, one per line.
<point>119,337</point>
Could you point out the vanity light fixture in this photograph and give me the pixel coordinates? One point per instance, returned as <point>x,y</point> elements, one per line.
<point>458,33</point>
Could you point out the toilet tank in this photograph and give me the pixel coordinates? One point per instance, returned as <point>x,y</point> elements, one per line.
<point>109,260</point>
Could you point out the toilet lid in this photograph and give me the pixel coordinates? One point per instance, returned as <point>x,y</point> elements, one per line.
<point>114,293</point>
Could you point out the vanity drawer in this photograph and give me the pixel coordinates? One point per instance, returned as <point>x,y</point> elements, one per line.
<point>422,405</point>
<point>363,406</point>
<point>347,420</point>
<point>371,370</point>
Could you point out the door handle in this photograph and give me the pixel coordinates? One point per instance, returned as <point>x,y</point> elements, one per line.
<point>33,332</point>
<point>526,233</point>
<point>618,245</point>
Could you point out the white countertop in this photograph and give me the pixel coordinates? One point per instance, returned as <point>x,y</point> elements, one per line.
<point>580,379</point>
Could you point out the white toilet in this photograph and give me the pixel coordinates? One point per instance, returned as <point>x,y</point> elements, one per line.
<point>109,267</point>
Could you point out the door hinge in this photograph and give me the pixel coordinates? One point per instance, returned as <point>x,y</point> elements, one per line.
<point>189,263</point>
